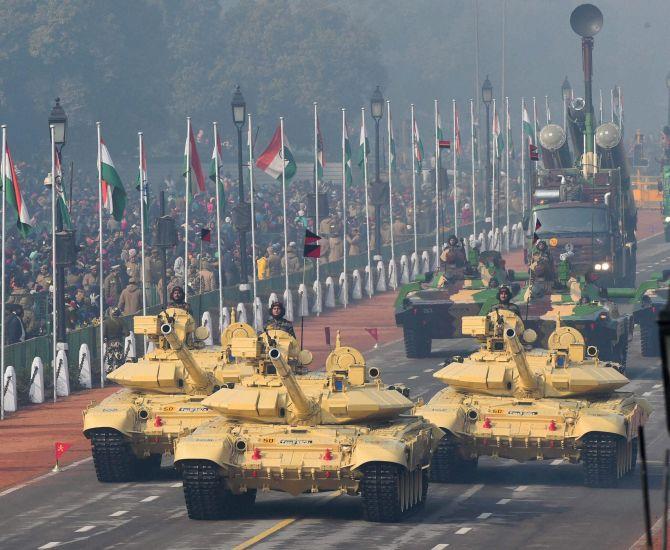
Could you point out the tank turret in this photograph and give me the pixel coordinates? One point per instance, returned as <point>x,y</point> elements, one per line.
<point>199,378</point>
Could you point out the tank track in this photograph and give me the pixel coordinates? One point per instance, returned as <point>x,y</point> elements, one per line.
<point>113,458</point>
<point>447,466</point>
<point>599,459</point>
<point>416,346</point>
<point>204,491</point>
<point>383,493</point>
<point>649,343</point>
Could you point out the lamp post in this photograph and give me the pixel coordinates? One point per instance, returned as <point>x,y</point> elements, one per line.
<point>64,239</point>
<point>487,98</point>
<point>377,111</point>
<point>241,215</point>
<point>566,92</point>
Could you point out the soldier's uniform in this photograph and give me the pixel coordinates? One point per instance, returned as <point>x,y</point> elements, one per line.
<point>280,324</point>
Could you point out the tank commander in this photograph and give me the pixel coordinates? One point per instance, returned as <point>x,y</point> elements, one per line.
<point>453,254</point>
<point>277,321</point>
<point>177,299</point>
<point>505,301</point>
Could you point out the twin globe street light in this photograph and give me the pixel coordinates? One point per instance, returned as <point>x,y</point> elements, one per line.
<point>241,214</point>
<point>379,190</point>
<point>487,98</point>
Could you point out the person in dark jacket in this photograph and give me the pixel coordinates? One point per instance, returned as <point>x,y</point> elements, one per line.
<point>14,330</point>
<point>277,321</point>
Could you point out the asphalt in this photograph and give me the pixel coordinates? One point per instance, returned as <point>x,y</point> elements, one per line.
<point>509,505</point>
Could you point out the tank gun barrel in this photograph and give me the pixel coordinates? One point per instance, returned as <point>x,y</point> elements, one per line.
<point>525,376</point>
<point>197,375</point>
<point>304,406</point>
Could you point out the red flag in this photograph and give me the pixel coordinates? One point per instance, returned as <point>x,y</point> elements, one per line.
<point>312,249</point>
<point>326,331</point>
<point>533,153</point>
<point>444,144</point>
<point>60,448</point>
<point>374,333</point>
<point>196,167</point>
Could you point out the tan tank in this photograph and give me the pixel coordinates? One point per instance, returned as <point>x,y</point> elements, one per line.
<point>338,430</point>
<point>162,395</point>
<point>509,401</point>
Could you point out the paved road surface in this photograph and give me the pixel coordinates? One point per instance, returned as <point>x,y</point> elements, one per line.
<point>510,505</point>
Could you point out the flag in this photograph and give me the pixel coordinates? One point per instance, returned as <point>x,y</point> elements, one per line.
<point>60,193</point>
<point>548,113</point>
<point>113,193</point>
<point>363,146</point>
<point>444,144</point>
<point>374,333</point>
<point>60,448</point>
<point>271,161</point>
<point>347,156</point>
<point>509,133</point>
<point>206,235</point>
<point>13,195</point>
<point>320,161</point>
<point>312,249</point>
<point>392,155</point>
<point>527,126</point>
<point>498,141</point>
<point>532,152</point>
<point>196,167</point>
<point>440,133</point>
<point>143,187</point>
<point>457,131</point>
<point>216,159</point>
<point>418,147</point>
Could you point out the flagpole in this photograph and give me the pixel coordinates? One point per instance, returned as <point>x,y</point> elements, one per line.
<point>253,211</point>
<point>546,108</point>
<point>188,192</point>
<point>390,173</point>
<point>612,104</point>
<point>534,122</point>
<point>316,191</point>
<point>494,206</point>
<point>437,188</point>
<point>367,209</point>
<point>454,144</point>
<point>523,164</point>
<point>217,183</point>
<point>507,197</point>
<point>283,192</point>
<point>142,182</point>
<point>416,244</point>
<point>100,268</point>
<point>600,91</point>
<point>345,289</point>
<point>2,258</point>
<point>474,171</point>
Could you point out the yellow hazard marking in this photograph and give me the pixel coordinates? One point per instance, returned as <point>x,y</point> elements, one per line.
<point>553,241</point>
<point>279,526</point>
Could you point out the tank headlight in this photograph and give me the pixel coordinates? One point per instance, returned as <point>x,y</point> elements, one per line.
<point>598,267</point>
<point>605,266</point>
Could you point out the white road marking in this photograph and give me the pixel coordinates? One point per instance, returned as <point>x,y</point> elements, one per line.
<point>44,476</point>
<point>646,394</point>
<point>149,499</point>
<point>463,530</point>
<point>557,462</point>
<point>469,492</point>
<point>412,377</point>
<point>439,547</point>
<point>428,370</point>
<point>85,528</point>
<point>117,514</point>
<point>180,484</point>
<point>485,515</point>
<point>521,488</point>
<point>504,501</point>
<point>49,545</point>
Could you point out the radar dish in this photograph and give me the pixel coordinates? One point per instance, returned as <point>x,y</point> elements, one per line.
<point>586,20</point>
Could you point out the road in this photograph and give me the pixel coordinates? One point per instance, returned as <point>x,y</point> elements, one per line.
<point>510,505</point>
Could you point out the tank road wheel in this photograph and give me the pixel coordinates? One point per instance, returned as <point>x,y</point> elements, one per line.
<point>113,457</point>
<point>447,466</point>
<point>205,492</point>
<point>417,344</point>
<point>390,491</point>
<point>602,458</point>
<point>649,342</point>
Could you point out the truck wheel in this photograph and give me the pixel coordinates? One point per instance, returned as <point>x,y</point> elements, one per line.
<point>205,492</point>
<point>113,458</point>
<point>649,340</point>
<point>600,459</point>
<point>417,345</point>
<point>445,463</point>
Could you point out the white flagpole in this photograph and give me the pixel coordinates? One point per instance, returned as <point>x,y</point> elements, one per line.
<point>507,197</point>
<point>143,191</point>
<point>345,290</point>
<point>316,189</point>
<point>283,192</point>
<point>217,184</point>
<point>437,187</point>
<point>101,299</point>
<point>523,161</point>
<point>534,122</point>
<point>455,159</point>
<point>367,209</point>
<point>390,173</point>
<point>494,206</point>
<point>474,168</point>
<point>2,258</point>
<point>253,210</point>
<point>416,244</point>
<point>612,104</point>
<point>600,92</point>
<point>547,114</point>
<point>188,192</point>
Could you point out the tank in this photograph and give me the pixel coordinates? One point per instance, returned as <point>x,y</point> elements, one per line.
<point>431,308</point>
<point>508,400</point>
<point>336,430</point>
<point>648,300</point>
<point>162,394</point>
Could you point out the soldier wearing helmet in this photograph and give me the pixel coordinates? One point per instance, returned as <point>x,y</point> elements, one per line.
<point>505,301</point>
<point>277,321</point>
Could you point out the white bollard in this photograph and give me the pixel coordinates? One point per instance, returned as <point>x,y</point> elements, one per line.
<point>318,298</point>
<point>225,319</point>
<point>343,283</point>
<point>207,323</point>
<point>482,242</point>
<point>369,290</point>
<point>62,375</point>
<point>393,275</point>
<point>330,292</point>
<point>490,240</point>
<point>404,270</point>
<point>129,349</point>
<point>241,312</point>
<point>357,291</point>
<point>84,365</point>
<point>416,268</point>
<point>36,389</point>
<point>9,387</point>
<point>505,237</point>
<point>425,262</point>
<point>381,277</point>
<point>258,314</point>
<point>273,298</point>
<point>288,305</point>
<point>303,303</point>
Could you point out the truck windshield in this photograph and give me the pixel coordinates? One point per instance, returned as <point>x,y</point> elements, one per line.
<point>571,220</point>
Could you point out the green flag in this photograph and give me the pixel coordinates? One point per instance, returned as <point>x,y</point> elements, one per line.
<point>363,147</point>
<point>527,126</point>
<point>346,146</point>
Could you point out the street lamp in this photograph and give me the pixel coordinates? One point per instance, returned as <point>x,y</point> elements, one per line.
<point>377,111</point>
<point>58,119</point>
<point>487,98</point>
<point>241,217</point>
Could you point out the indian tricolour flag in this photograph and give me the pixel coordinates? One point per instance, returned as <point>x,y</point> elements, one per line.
<point>418,147</point>
<point>346,147</point>
<point>13,195</point>
<point>216,164</point>
<point>363,146</point>
<point>143,188</point>
<point>392,155</point>
<point>272,161</point>
<point>498,141</point>
<point>60,192</point>
<point>527,125</point>
<point>457,131</point>
<point>195,167</point>
<point>320,160</point>
<point>113,192</point>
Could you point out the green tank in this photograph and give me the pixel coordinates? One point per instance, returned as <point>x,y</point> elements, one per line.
<point>162,393</point>
<point>507,400</point>
<point>338,430</point>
